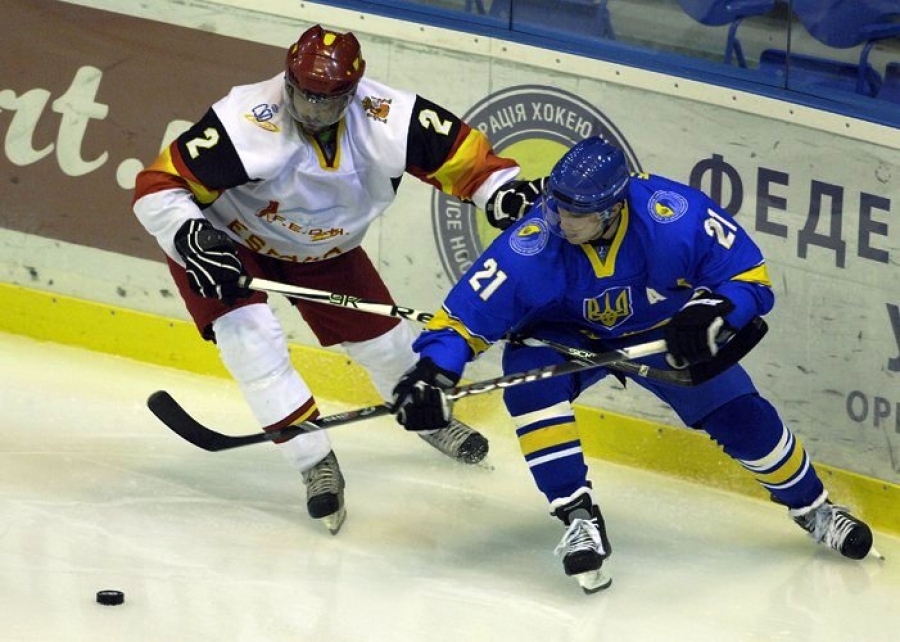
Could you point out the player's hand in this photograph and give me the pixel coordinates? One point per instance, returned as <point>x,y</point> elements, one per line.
<point>419,400</point>
<point>211,260</point>
<point>510,202</point>
<point>695,333</point>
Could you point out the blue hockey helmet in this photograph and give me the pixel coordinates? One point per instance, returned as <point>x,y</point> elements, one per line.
<point>589,179</point>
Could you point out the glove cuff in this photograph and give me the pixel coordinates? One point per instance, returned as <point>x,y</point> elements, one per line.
<point>434,375</point>
<point>190,227</point>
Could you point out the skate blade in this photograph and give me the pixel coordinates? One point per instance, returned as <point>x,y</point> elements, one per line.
<point>593,581</point>
<point>334,521</point>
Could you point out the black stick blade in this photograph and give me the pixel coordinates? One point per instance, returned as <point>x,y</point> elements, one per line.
<point>170,412</point>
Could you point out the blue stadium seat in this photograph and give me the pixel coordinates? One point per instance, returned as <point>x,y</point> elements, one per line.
<point>569,17</point>
<point>716,13</point>
<point>848,23</point>
<point>890,88</point>
<point>818,75</point>
<point>840,24</point>
<point>475,5</point>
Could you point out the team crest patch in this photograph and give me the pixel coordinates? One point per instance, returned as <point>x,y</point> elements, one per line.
<point>667,207</point>
<point>531,238</point>
<point>611,308</point>
<point>262,115</point>
<point>377,108</point>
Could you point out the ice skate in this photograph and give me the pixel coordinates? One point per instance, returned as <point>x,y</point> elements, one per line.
<point>584,546</point>
<point>835,527</point>
<point>325,493</point>
<point>459,442</point>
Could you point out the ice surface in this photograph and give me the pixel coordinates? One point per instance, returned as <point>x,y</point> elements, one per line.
<point>95,493</point>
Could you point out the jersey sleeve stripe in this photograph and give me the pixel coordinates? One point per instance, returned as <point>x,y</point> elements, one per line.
<point>443,321</point>
<point>456,175</point>
<point>166,173</point>
<point>758,274</point>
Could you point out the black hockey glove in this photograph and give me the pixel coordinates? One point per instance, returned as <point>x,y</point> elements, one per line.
<point>211,260</point>
<point>419,399</point>
<point>510,202</point>
<point>696,331</point>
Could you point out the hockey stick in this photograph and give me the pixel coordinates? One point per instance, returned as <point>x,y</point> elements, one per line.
<point>732,352</point>
<point>171,413</point>
<point>675,377</point>
<point>332,298</point>
<point>740,344</point>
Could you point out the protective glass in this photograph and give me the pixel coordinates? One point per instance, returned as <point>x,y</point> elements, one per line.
<point>315,111</point>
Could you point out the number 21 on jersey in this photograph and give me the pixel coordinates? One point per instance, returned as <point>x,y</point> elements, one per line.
<point>487,280</point>
<point>719,228</point>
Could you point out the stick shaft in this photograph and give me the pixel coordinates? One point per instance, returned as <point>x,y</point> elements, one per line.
<point>333,298</point>
<point>568,367</point>
<point>731,353</point>
<point>680,378</point>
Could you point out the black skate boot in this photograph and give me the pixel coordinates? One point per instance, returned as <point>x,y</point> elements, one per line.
<point>834,526</point>
<point>584,546</point>
<point>325,493</point>
<point>458,442</point>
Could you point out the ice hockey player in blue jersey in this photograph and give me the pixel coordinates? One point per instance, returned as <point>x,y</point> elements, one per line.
<point>608,259</point>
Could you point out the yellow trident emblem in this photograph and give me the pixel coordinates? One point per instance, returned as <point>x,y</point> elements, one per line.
<point>615,308</point>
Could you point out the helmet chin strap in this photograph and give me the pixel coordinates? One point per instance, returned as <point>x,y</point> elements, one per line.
<point>608,228</point>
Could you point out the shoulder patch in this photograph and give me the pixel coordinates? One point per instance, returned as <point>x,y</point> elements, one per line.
<point>377,108</point>
<point>262,115</point>
<point>531,238</point>
<point>666,207</point>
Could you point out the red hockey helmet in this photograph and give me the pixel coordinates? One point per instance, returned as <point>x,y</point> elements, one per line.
<point>321,73</point>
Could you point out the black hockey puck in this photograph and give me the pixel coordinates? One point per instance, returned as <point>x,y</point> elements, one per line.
<point>110,598</point>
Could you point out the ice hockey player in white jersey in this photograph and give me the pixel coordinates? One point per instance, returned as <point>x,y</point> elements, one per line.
<point>605,260</point>
<point>280,180</point>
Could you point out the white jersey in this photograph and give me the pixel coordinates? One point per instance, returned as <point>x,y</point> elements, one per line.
<point>248,168</point>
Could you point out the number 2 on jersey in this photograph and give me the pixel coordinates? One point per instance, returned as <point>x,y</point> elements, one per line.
<point>207,141</point>
<point>492,274</point>
<point>429,118</point>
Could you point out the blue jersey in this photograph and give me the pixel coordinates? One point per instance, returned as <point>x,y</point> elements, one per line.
<point>671,241</point>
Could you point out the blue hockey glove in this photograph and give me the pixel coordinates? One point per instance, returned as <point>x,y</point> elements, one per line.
<point>510,202</point>
<point>419,400</point>
<point>211,260</point>
<point>697,330</point>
